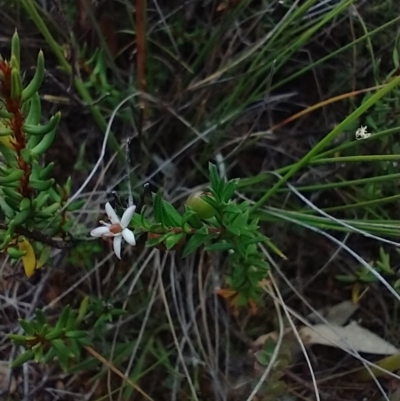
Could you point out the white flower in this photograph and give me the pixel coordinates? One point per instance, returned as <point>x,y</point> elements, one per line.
<point>118,229</point>
<point>362,133</point>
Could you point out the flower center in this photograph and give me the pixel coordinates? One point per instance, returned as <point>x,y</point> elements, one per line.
<point>115,228</point>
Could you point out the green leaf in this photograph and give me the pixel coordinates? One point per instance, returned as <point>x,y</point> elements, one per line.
<point>62,350</point>
<point>158,209</point>
<point>16,48</point>
<point>27,326</point>
<point>219,246</point>
<point>41,317</point>
<point>140,221</point>
<point>194,220</point>
<point>265,355</point>
<point>21,359</point>
<point>17,338</point>
<point>43,257</point>
<point>173,239</point>
<point>83,308</point>
<point>76,205</point>
<point>187,215</point>
<point>155,241</point>
<point>229,190</point>
<point>35,110</point>
<point>44,329</point>
<point>71,323</point>
<point>36,326</point>
<point>50,355</point>
<point>38,353</point>
<point>368,278</point>
<point>233,230</point>
<point>198,239</point>
<point>75,334</point>
<point>63,319</point>
<point>15,253</point>
<point>75,347</point>
<point>258,262</point>
<point>171,215</point>
<point>85,341</point>
<point>54,334</point>
<point>215,179</point>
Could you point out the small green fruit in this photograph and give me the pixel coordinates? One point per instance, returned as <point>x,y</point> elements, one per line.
<point>202,208</point>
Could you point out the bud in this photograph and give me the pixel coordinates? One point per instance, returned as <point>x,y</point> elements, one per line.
<point>202,208</point>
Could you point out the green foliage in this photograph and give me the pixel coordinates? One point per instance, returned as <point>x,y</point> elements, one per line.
<point>103,312</point>
<point>31,201</point>
<point>45,342</point>
<point>382,266</point>
<point>229,228</point>
<point>217,221</point>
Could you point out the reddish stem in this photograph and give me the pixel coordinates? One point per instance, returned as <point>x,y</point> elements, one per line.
<point>16,123</point>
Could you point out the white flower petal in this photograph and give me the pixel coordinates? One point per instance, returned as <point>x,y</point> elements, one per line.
<point>117,246</point>
<point>111,214</point>
<point>129,237</point>
<point>127,217</point>
<point>100,232</point>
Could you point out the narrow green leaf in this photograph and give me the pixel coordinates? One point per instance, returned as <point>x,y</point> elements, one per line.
<point>229,190</point>
<point>17,338</point>
<point>62,349</point>
<point>63,319</point>
<point>219,246</point>
<point>158,209</point>
<point>83,308</point>
<point>215,180</point>
<point>50,355</point>
<point>27,326</point>
<point>54,334</point>
<point>76,348</point>
<point>173,239</point>
<point>155,241</point>
<point>40,316</point>
<point>21,359</point>
<point>84,341</point>
<point>172,217</point>
<point>75,334</point>
<point>198,239</point>
<point>38,353</point>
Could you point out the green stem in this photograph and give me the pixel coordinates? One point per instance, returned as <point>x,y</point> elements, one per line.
<point>325,141</point>
<point>364,204</point>
<point>80,87</point>
<point>246,182</point>
<point>38,20</point>
<point>355,159</point>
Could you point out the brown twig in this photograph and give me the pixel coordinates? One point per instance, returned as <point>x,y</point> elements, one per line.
<point>117,372</point>
<point>58,243</point>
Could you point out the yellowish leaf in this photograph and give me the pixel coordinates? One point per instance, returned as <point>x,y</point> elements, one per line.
<point>390,364</point>
<point>29,259</point>
<point>6,141</point>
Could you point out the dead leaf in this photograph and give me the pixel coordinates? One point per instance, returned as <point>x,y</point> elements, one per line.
<point>337,315</point>
<point>341,313</point>
<point>349,337</point>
